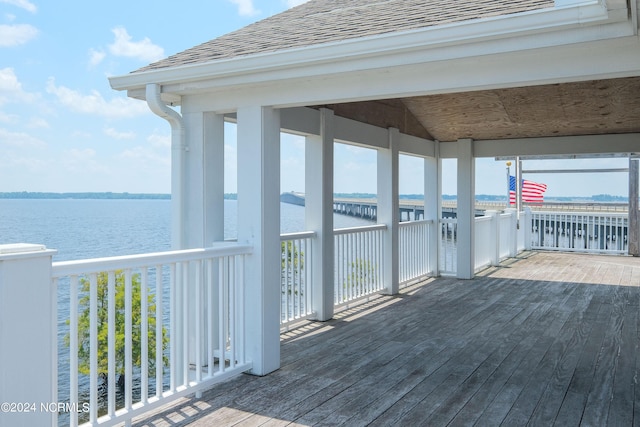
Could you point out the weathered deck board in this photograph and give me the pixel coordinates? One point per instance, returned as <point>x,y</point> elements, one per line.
<point>548,339</point>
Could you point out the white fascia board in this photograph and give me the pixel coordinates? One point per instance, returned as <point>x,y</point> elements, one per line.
<point>252,68</point>
<point>318,73</point>
<point>300,121</point>
<point>415,146</point>
<point>552,146</point>
<point>555,146</point>
<point>448,150</point>
<point>354,132</point>
<point>560,64</point>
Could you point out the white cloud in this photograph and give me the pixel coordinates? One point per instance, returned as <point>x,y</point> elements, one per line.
<point>24,4</point>
<point>160,141</point>
<point>144,50</point>
<point>11,88</point>
<point>8,118</point>
<point>79,134</point>
<point>153,158</point>
<point>9,81</point>
<point>293,3</point>
<point>146,155</point>
<point>82,160</point>
<point>96,57</point>
<point>113,133</point>
<point>38,123</point>
<point>14,35</point>
<point>95,104</point>
<point>19,140</point>
<point>245,7</point>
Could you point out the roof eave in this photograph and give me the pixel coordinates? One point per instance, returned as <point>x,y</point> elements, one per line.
<point>255,68</point>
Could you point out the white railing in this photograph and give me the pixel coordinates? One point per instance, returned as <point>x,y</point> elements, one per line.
<point>579,232</point>
<point>414,252</point>
<point>485,241</point>
<point>358,262</point>
<point>448,237</point>
<point>297,273</point>
<point>169,324</point>
<point>506,235</point>
<point>495,239</point>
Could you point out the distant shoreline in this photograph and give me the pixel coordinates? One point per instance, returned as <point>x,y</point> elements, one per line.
<point>92,195</point>
<point>599,198</point>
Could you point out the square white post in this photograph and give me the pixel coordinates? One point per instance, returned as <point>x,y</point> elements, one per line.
<point>202,208</point>
<point>318,213</point>
<point>389,210</point>
<point>466,210</point>
<point>259,225</point>
<point>28,334</point>
<point>203,169</point>
<point>513,231</point>
<point>494,244</point>
<point>526,226</point>
<point>432,207</point>
<point>633,233</point>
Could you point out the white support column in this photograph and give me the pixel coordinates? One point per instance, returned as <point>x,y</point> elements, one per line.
<point>29,335</point>
<point>213,178</point>
<point>513,235</point>
<point>432,206</point>
<point>202,202</point>
<point>203,169</point>
<point>389,210</point>
<point>466,209</point>
<point>319,213</point>
<point>633,233</point>
<point>495,236</point>
<point>259,225</point>
<point>525,225</point>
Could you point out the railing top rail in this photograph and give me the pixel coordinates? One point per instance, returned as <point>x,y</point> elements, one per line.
<point>360,229</point>
<point>410,223</point>
<point>86,266</point>
<point>448,220</point>
<point>581,213</point>
<point>297,235</point>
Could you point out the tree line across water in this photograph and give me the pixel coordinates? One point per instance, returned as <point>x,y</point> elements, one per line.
<point>234,196</point>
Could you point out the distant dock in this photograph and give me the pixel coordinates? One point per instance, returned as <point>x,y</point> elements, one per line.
<point>413,209</point>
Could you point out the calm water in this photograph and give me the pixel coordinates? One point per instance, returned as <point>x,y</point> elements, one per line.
<point>80,229</point>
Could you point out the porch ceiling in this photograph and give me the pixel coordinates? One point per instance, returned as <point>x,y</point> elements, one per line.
<point>580,108</point>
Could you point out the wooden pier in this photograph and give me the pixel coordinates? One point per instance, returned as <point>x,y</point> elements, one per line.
<point>544,339</point>
<point>413,209</point>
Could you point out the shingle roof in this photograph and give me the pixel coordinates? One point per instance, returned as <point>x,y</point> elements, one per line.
<point>323,21</point>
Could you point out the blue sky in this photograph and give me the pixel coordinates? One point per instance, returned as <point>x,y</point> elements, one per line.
<point>63,129</point>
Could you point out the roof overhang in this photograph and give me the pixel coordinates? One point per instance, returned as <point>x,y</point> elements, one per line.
<point>447,54</point>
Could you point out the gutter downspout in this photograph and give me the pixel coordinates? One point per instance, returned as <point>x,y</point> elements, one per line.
<point>178,149</point>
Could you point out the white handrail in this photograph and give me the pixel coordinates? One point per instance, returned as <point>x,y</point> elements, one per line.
<point>296,300</point>
<point>340,231</point>
<point>579,232</point>
<point>85,266</point>
<point>414,257</point>
<point>297,235</point>
<point>358,262</point>
<point>418,222</point>
<point>201,352</point>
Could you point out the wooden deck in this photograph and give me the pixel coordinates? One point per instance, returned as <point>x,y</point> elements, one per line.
<point>546,339</point>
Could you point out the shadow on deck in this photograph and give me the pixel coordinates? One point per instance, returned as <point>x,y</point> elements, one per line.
<point>543,339</point>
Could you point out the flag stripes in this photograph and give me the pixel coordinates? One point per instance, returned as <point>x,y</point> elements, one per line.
<point>532,192</point>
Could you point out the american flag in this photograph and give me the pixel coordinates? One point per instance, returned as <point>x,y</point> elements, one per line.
<point>532,192</point>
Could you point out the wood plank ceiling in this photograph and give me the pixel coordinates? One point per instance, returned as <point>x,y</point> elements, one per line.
<point>579,108</point>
